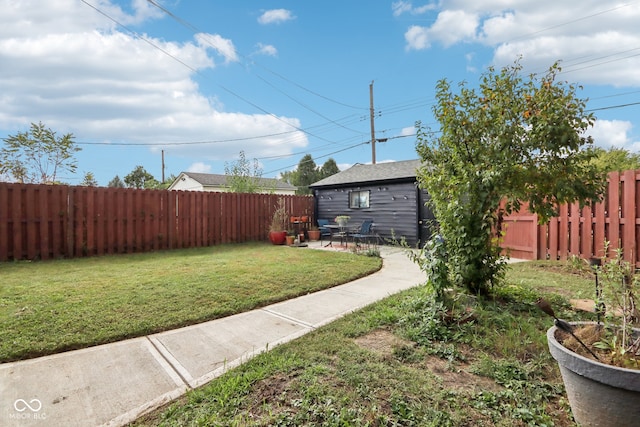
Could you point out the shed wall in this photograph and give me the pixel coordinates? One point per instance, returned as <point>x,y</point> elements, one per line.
<point>393,208</point>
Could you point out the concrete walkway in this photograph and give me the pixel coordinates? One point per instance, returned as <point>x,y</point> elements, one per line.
<point>114,384</point>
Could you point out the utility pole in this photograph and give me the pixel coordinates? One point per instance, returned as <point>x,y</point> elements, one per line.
<point>163,166</point>
<point>373,130</point>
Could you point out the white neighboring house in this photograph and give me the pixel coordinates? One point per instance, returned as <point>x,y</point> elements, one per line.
<point>192,181</point>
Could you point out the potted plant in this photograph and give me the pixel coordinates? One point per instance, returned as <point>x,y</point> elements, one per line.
<point>290,237</point>
<point>313,232</point>
<point>278,226</point>
<point>600,361</point>
<point>342,220</point>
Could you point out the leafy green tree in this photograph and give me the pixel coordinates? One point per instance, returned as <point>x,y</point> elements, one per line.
<point>511,140</point>
<point>243,176</point>
<point>89,180</point>
<point>328,168</point>
<point>140,178</point>
<point>116,182</point>
<point>290,177</point>
<point>167,182</point>
<point>307,173</point>
<point>38,155</point>
<point>616,159</point>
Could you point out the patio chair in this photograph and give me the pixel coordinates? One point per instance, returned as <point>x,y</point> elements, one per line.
<point>364,233</point>
<point>324,231</point>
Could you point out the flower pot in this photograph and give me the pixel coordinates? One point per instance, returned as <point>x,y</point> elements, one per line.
<point>290,240</point>
<point>599,394</point>
<point>313,234</point>
<point>277,237</point>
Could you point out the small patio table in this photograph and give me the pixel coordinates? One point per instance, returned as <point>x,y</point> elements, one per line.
<point>337,230</point>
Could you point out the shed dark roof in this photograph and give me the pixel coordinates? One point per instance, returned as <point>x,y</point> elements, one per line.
<point>218,180</point>
<point>360,173</point>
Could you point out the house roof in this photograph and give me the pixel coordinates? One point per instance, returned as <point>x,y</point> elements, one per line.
<point>360,173</point>
<point>218,180</point>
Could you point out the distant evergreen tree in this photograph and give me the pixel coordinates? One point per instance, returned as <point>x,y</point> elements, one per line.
<point>116,182</point>
<point>89,180</point>
<point>328,168</point>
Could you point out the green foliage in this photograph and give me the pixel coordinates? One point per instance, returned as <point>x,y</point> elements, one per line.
<point>617,297</point>
<point>140,178</point>
<point>307,173</point>
<point>432,260</point>
<point>37,155</point>
<point>330,167</point>
<point>514,140</point>
<point>89,180</point>
<point>167,182</point>
<point>242,176</point>
<point>116,182</point>
<point>358,371</point>
<point>615,160</point>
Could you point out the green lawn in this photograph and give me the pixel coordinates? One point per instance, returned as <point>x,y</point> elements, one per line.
<point>405,362</point>
<point>48,307</point>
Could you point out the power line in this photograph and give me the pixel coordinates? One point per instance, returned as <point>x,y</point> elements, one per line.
<point>197,30</point>
<point>226,89</point>
<point>611,107</point>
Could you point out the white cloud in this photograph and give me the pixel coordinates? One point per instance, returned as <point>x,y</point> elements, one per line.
<point>453,26</point>
<point>199,167</point>
<point>450,27</point>
<point>66,65</point>
<point>613,133</point>
<point>409,130</point>
<point>417,38</point>
<point>267,49</point>
<point>597,42</point>
<point>222,46</point>
<point>401,7</point>
<point>275,16</point>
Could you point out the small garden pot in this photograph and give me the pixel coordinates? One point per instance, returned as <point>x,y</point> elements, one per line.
<point>599,394</point>
<point>290,240</point>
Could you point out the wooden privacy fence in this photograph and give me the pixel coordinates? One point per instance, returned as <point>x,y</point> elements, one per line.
<point>53,221</point>
<point>582,232</point>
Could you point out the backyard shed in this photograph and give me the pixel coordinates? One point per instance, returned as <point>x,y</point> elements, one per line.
<point>386,193</point>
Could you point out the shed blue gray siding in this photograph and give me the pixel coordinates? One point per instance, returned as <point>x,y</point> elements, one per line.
<point>393,207</point>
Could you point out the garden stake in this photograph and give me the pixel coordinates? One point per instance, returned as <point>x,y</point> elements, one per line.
<point>599,305</point>
<point>561,324</point>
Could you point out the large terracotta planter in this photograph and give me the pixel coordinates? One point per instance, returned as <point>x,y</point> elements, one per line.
<point>313,234</point>
<point>277,237</point>
<point>599,394</point>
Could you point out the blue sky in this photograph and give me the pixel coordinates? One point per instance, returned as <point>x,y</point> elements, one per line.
<point>203,80</point>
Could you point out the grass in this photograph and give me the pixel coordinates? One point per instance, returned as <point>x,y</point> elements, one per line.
<point>48,307</point>
<point>406,361</point>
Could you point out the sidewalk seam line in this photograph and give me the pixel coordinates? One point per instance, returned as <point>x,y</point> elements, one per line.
<point>176,370</point>
<point>291,319</point>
